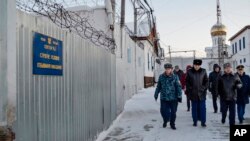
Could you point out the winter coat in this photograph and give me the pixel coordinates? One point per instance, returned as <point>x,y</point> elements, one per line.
<point>169,87</point>
<point>179,73</point>
<point>197,84</point>
<point>244,91</point>
<point>227,86</point>
<point>183,79</point>
<point>213,80</point>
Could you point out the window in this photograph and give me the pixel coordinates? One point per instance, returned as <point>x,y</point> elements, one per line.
<point>139,61</point>
<point>235,45</point>
<point>240,61</point>
<point>129,55</point>
<point>148,61</point>
<point>244,60</point>
<point>233,48</point>
<point>151,62</point>
<point>240,44</point>
<point>244,42</point>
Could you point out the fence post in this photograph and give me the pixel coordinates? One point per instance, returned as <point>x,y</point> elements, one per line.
<point>7,68</point>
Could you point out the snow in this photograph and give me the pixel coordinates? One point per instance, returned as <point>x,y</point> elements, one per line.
<point>141,121</point>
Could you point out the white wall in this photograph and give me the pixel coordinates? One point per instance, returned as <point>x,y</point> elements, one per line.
<point>129,78</point>
<point>149,59</point>
<point>243,53</point>
<point>96,16</point>
<point>182,62</point>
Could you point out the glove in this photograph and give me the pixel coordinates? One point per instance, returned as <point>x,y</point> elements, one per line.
<point>239,86</point>
<point>155,98</point>
<point>179,100</point>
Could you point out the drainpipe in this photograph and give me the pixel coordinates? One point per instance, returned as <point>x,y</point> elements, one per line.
<point>123,2</point>
<point>7,69</point>
<point>135,34</point>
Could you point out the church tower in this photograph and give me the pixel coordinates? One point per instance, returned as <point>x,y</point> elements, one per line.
<point>218,34</point>
<point>218,30</point>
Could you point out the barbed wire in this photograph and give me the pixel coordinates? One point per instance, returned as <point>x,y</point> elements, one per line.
<point>69,20</point>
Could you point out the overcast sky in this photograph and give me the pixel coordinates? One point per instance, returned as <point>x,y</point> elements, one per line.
<point>186,24</point>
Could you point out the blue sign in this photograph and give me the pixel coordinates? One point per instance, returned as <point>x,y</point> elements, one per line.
<point>47,55</point>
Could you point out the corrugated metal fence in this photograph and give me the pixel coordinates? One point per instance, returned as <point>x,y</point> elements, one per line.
<point>72,107</point>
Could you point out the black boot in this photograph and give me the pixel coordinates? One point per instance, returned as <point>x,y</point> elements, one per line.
<point>223,121</point>
<point>173,127</point>
<point>203,125</point>
<point>241,121</point>
<point>164,125</point>
<point>195,124</point>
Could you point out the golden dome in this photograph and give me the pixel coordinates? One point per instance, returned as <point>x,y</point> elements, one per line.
<point>218,29</point>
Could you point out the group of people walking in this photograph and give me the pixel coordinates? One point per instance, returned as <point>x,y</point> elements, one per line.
<point>230,88</point>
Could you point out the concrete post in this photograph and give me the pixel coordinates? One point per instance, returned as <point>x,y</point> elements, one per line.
<point>3,62</point>
<point>7,67</point>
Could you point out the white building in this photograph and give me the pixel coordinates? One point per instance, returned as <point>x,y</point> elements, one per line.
<point>240,48</point>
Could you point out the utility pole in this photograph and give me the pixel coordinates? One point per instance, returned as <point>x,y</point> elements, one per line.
<point>169,52</point>
<point>122,26</point>
<point>113,8</point>
<point>135,20</point>
<point>135,35</point>
<point>122,13</point>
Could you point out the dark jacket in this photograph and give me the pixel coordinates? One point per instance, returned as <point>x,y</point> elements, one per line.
<point>244,92</point>
<point>227,86</point>
<point>179,73</point>
<point>197,84</point>
<point>213,80</point>
<point>169,87</point>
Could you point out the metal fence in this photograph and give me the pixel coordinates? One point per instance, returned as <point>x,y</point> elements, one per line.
<point>72,107</point>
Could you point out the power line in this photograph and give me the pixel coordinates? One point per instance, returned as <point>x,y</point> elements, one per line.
<point>191,23</point>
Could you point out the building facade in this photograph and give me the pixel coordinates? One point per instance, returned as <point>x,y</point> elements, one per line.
<point>240,48</point>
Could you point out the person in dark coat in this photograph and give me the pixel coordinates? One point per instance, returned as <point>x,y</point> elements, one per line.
<point>178,71</point>
<point>242,93</point>
<point>213,79</point>
<point>170,88</point>
<point>196,85</point>
<point>183,85</point>
<point>228,83</point>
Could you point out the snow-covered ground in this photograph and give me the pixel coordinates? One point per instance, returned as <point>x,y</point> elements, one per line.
<point>141,121</point>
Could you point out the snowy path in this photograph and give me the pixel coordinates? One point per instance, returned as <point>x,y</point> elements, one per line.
<point>141,121</point>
